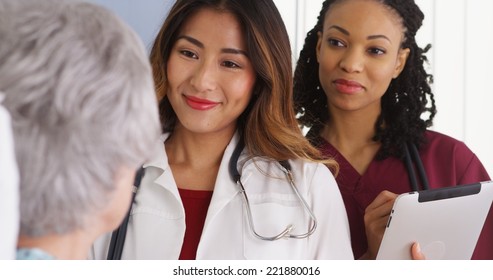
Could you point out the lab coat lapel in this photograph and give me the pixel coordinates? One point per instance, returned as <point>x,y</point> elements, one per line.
<point>225,189</point>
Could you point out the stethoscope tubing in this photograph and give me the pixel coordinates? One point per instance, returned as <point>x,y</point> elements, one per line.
<point>286,168</point>
<point>118,236</point>
<point>411,155</point>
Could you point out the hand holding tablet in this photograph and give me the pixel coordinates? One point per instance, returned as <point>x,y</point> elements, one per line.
<point>446,222</point>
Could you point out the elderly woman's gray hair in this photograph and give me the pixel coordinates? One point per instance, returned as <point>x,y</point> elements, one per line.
<point>78,85</point>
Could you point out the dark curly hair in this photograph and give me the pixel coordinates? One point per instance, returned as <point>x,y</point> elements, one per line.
<point>404,102</point>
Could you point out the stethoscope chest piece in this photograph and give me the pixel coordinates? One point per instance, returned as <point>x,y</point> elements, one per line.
<point>286,168</point>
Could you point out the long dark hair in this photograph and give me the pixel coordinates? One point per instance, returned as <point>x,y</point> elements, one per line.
<point>268,124</point>
<point>404,103</point>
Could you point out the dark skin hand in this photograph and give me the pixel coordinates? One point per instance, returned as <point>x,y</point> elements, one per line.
<point>376,217</point>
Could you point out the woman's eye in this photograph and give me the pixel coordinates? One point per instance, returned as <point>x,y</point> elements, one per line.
<point>230,64</point>
<point>335,43</point>
<point>189,54</point>
<point>376,51</point>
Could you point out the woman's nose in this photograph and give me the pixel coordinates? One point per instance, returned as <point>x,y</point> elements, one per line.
<point>204,77</point>
<point>352,61</point>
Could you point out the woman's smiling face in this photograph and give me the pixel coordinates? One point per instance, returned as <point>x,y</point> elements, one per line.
<point>210,75</point>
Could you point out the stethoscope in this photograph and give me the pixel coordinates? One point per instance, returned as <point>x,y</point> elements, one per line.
<point>286,169</point>
<point>118,235</point>
<point>411,155</point>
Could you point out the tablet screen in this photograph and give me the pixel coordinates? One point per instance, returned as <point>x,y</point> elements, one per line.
<point>446,222</point>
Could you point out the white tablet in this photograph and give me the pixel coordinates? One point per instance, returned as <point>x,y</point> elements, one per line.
<point>446,222</point>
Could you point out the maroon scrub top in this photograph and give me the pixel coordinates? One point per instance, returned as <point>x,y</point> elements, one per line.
<point>447,162</point>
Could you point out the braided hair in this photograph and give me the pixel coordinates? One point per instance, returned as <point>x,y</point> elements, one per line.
<point>403,104</point>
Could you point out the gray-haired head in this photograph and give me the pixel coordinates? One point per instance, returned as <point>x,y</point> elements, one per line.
<point>78,85</point>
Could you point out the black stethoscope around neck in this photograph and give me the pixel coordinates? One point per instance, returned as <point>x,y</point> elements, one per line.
<point>118,236</point>
<point>286,169</point>
<point>411,155</point>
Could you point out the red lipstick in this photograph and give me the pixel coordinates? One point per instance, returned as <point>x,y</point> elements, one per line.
<point>199,103</point>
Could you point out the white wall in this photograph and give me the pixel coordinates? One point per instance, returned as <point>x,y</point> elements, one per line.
<point>461,58</point>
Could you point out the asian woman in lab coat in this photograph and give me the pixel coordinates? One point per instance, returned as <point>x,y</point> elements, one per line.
<point>223,75</point>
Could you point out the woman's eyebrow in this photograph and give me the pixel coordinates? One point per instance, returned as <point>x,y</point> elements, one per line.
<point>191,40</point>
<point>201,45</point>
<point>345,32</point>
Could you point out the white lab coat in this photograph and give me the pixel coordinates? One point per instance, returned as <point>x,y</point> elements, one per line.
<point>157,223</point>
<point>9,189</point>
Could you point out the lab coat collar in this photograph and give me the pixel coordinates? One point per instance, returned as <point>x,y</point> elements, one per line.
<point>160,158</point>
<point>160,161</point>
<point>224,190</point>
